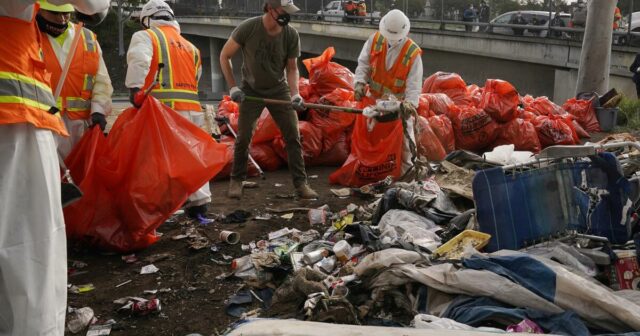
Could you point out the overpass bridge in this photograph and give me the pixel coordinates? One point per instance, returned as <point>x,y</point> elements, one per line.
<point>535,65</point>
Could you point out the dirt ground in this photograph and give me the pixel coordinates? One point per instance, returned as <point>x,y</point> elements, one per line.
<point>195,303</point>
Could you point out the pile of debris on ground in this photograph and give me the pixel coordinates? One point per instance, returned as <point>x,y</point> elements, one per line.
<point>483,244</point>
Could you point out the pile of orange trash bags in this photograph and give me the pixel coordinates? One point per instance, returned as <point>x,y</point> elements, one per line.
<point>325,135</point>
<point>137,177</point>
<point>454,115</point>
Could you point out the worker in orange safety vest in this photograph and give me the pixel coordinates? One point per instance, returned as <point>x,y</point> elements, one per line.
<point>161,42</point>
<point>85,96</point>
<point>33,251</point>
<point>390,63</point>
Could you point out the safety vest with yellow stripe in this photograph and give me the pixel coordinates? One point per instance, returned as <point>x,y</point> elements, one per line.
<point>25,93</point>
<point>392,81</point>
<point>178,79</point>
<point>76,93</point>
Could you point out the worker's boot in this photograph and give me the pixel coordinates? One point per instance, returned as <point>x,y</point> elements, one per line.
<point>235,189</point>
<point>199,212</point>
<point>305,191</point>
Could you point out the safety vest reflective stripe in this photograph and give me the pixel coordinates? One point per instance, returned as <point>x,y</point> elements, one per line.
<point>78,104</point>
<point>89,81</point>
<point>163,55</point>
<point>33,92</point>
<point>175,94</point>
<point>378,42</point>
<point>413,50</point>
<point>89,40</point>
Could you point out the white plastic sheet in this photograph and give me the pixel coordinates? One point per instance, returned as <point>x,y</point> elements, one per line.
<point>402,225</point>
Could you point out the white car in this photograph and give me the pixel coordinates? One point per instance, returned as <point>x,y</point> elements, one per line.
<point>537,19</point>
<point>334,11</point>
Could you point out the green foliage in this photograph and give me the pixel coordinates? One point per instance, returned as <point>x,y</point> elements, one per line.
<point>630,112</point>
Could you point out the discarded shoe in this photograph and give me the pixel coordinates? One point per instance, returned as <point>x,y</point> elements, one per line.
<point>305,191</point>
<point>235,189</point>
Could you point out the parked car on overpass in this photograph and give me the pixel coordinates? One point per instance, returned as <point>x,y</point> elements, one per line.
<point>334,11</point>
<point>537,19</point>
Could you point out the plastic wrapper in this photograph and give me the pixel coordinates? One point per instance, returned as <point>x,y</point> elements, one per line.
<point>427,142</point>
<point>407,226</point>
<point>584,112</point>
<point>474,129</point>
<point>326,76</point>
<point>521,133</point>
<point>135,179</point>
<point>500,100</point>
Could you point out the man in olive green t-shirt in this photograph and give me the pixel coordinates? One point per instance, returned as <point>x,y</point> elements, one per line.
<point>270,49</point>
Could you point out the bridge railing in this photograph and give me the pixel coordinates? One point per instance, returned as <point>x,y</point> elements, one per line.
<point>446,19</point>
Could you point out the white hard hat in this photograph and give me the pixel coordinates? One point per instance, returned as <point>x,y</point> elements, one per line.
<point>155,7</point>
<point>394,26</point>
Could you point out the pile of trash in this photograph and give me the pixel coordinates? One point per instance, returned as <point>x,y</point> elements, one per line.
<point>419,254</point>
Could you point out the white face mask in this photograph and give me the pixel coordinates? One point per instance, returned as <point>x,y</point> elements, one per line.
<point>393,43</point>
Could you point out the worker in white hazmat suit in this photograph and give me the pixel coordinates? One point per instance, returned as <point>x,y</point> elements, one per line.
<point>33,255</point>
<point>85,96</point>
<point>391,64</point>
<point>160,49</point>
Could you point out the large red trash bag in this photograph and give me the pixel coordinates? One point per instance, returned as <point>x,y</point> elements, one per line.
<point>473,128</point>
<point>442,127</point>
<point>335,156</point>
<point>304,88</point>
<point>266,128</point>
<point>580,131</point>
<point>228,107</point>
<point>423,107</point>
<point>152,161</point>
<point>542,106</point>
<point>310,137</point>
<point>450,84</point>
<point>553,130</point>
<point>427,142</point>
<point>333,123</point>
<point>229,142</point>
<point>439,103</point>
<point>521,133</point>
<point>584,112</point>
<point>326,76</point>
<point>266,156</point>
<point>374,155</point>
<point>475,92</point>
<point>500,100</point>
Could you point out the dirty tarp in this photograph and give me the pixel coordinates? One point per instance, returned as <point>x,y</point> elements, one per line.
<point>398,226</point>
<point>377,261</point>
<point>594,302</point>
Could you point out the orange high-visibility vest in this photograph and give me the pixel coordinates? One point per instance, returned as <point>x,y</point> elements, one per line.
<point>75,97</point>
<point>362,9</point>
<point>25,93</point>
<point>383,81</point>
<point>617,16</point>
<point>178,82</point>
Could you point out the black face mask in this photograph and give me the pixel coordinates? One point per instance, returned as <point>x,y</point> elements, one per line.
<point>282,19</point>
<point>51,28</point>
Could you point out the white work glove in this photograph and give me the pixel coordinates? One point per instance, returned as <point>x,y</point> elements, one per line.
<point>236,94</point>
<point>298,103</point>
<point>370,112</point>
<point>388,106</point>
<point>360,91</point>
<point>638,69</point>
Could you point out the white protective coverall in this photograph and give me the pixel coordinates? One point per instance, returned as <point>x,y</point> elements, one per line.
<point>33,254</point>
<point>100,98</point>
<point>412,91</point>
<point>139,62</point>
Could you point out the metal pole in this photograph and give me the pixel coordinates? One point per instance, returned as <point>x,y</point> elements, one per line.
<point>441,14</point>
<point>629,22</point>
<point>306,10</point>
<point>549,32</point>
<point>371,11</point>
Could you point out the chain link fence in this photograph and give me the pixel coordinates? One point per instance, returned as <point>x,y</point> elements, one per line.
<point>550,19</point>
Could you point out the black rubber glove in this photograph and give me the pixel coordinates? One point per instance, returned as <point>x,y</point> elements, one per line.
<point>99,119</point>
<point>132,96</point>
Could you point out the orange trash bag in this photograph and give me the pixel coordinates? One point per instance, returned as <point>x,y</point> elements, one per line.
<point>374,155</point>
<point>541,106</point>
<point>500,100</point>
<point>584,112</point>
<point>427,142</point>
<point>310,137</point>
<point>439,103</point>
<point>423,107</point>
<point>473,128</point>
<point>142,173</point>
<point>553,130</point>
<point>266,128</point>
<point>450,84</point>
<point>335,156</point>
<point>229,143</point>
<point>521,133</point>
<point>326,76</point>
<point>442,127</point>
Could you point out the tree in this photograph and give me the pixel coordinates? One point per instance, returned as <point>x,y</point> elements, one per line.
<point>124,9</point>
